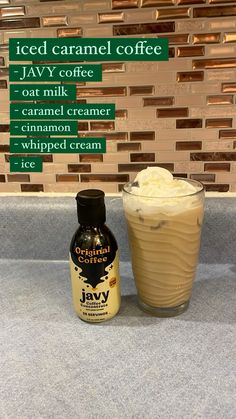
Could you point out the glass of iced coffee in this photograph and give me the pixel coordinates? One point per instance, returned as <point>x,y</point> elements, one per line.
<point>164,217</point>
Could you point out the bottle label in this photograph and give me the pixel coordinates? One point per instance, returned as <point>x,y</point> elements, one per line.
<point>95,283</point>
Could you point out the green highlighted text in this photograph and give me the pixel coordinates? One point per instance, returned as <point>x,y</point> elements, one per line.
<point>26,164</point>
<point>42,92</point>
<point>57,145</point>
<point>62,111</point>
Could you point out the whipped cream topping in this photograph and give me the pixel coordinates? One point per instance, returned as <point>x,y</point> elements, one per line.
<point>159,182</point>
<point>155,189</point>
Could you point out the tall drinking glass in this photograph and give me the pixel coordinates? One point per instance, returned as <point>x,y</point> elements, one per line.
<point>164,237</point>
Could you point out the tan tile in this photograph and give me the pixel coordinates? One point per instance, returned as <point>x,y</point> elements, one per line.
<point>116,157</point>
<point>185,64</point>
<point>111,147</point>
<point>213,112</point>
<point>83,19</point>
<point>104,32</point>
<point>226,178</point>
<point>135,16</point>
<point>221,24</point>
<point>14,34</point>
<point>204,134</point>
<point>217,145</point>
<point>149,146</point>
<point>43,8</point>
<point>199,88</point>
<point>5,106</point>
<point>43,33</point>
<point>141,67</point>
<point>166,134</point>
<point>147,113</point>
<point>63,187</point>
<point>103,168</point>
<point>4,117</point>
<point>42,177</point>
<point>190,25</point>
<point>4,168</point>
<point>192,166</point>
<point>134,102</point>
<point>65,158</point>
<point>233,169</point>
<point>135,80</point>
<point>10,187</point>
<point>104,177</point>
<point>54,168</point>
<point>221,51</point>
<point>190,100</point>
<point>96,5</point>
<point>225,75</point>
<point>4,137</point>
<point>164,156</point>
<point>2,159</point>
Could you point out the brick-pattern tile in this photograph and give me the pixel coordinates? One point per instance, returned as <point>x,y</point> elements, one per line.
<point>178,114</point>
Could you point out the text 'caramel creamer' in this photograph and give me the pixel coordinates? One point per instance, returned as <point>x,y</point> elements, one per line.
<point>94,261</point>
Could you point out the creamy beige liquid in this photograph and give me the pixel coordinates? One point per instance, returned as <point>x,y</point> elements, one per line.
<point>164,249</point>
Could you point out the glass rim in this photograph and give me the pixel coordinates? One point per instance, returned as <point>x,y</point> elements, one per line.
<point>195,182</point>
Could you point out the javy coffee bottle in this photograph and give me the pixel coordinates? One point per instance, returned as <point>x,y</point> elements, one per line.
<point>94,261</point>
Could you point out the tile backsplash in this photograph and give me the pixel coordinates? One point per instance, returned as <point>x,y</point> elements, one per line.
<point>179,114</point>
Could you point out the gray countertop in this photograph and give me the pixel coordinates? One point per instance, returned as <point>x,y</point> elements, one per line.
<point>53,365</point>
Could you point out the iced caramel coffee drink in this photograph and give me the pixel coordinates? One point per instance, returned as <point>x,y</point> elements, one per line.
<point>164,217</point>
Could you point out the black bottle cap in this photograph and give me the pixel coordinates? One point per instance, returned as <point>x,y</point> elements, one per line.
<point>91,207</point>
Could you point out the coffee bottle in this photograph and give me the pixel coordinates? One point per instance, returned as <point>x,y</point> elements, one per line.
<point>94,261</point>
